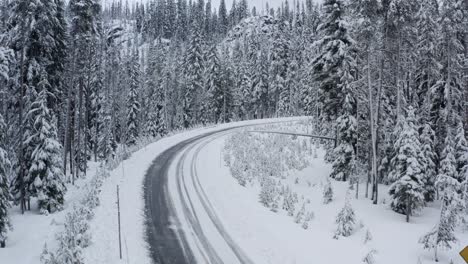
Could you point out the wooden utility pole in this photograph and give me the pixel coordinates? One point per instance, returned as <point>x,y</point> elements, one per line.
<point>118,219</point>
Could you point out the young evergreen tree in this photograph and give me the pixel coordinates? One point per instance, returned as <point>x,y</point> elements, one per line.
<point>461,152</point>
<point>346,219</point>
<point>429,167</point>
<point>133,104</point>
<point>407,191</point>
<point>327,192</point>
<point>47,179</point>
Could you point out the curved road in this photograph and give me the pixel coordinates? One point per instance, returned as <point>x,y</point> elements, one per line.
<point>179,221</point>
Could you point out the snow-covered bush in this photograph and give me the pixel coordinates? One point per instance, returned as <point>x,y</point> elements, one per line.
<point>327,192</point>
<point>75,236</point>
<point>345,219</point>
<point>369,258</point>
<point>300,215</point>
<point>268,192</point>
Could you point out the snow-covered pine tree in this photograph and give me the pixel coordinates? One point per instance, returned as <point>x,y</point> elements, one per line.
<point>345,153</point>
<point>447,180</point>
<point>443,234</point>
<point>461,152</point>
<point>327,192</point>
<point>345,219</point>
<point>428,66</point>
<point>300,215</point>
<point>407,191</point>
<point>333,45</point>
<point>45,172</point>
<point>279,59</point>
<point>429,167</point>
<point>4,187</point>
<point>133,104</point>
<point>261,85</point>
<point>215,94</point>
<point>193,69</point>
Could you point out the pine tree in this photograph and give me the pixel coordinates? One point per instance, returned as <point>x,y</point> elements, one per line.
<point>4,188</point>
<point>194,73</point>
<point>327,192</point>
<point>333,45</point>
<point>428,66</point>
<point>461,152</point>
<point>429,167</point>
<point>345,219</point>
<point>215,95</point>
<point>407,191</point>
<point>345,152</point>
<point>45,173</point>
<point>443,234</point>
<point>133,104</point>
<point>223,23</point>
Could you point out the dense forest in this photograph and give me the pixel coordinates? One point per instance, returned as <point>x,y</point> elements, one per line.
<point>387,78</point>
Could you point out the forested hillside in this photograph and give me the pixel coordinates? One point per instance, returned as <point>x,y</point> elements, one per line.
<point>388,79</point>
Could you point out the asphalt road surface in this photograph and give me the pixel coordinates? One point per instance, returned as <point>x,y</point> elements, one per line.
<point>168,239</point>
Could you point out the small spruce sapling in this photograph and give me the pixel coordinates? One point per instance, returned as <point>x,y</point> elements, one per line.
<point>300,215</point>
<point>327,192</point>
<point>345,219</point>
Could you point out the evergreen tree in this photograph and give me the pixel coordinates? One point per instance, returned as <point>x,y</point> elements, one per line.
<point>4,187</point>
<point>461,152</point>
<point>327,66</point>
<point>223,23</point>
<point>345,152</point>
<point>47,179</point>
<point>194,73</point>
<point>407,191</point>
<point>345,219</point>
<point>327,192</point>
<point>133,104</point>
<point>429,167</point>
<point>215,93</point>
<point>443,234</point>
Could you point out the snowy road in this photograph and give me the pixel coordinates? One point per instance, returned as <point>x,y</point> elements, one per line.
<point>182,226</point>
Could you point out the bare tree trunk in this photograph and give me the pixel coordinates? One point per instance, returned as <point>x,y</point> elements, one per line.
<point>373,129</point>
<point>78,134</point>
<point>21,123</point>
<point>67,140</point>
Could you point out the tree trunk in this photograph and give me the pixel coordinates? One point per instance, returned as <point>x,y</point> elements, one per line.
<point>408,209</point>
<point>21,122</point>
<point>67,140</point>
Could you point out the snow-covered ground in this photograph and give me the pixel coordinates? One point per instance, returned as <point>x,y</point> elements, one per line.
<point>32,230</point>
<point>262,235</point>
<point>269,237</point>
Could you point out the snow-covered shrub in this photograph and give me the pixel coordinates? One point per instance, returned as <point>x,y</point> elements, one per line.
<point>300,215</point>
<point>268,192</point>
<point>345,219</point>
<point>327,192</point>
<point>76,236</point>
<point>367,236</point>
<point>369,258</point>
